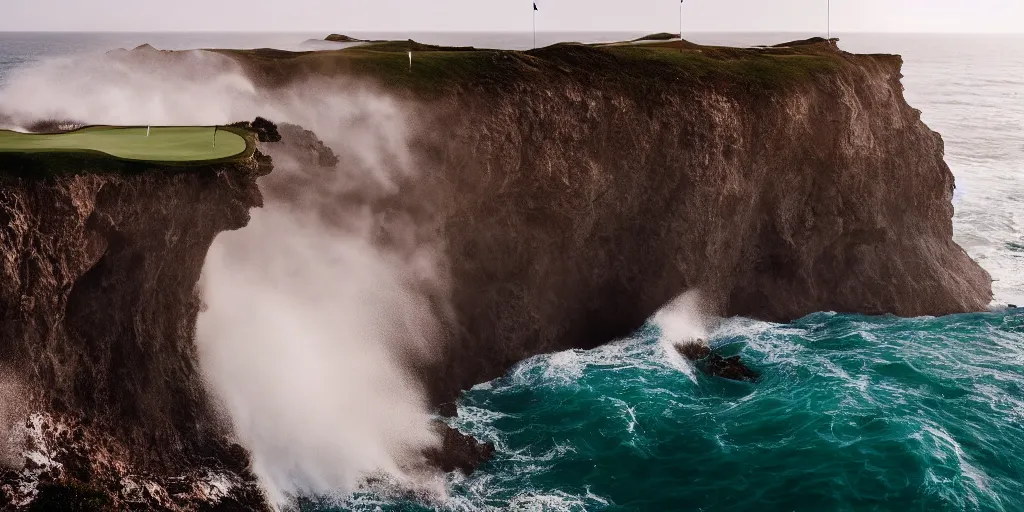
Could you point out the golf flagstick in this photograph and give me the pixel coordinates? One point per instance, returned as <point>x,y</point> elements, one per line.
<point>680,26</point>
<point>535,25</point>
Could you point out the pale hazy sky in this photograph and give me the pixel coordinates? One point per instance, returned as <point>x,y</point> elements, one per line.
<point>512,15</point>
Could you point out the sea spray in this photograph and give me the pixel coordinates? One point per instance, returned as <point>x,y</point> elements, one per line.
<point>683,321</point>
<point>295,341</point>
<point>318,313</point>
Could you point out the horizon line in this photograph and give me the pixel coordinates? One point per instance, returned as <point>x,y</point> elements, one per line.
<point>432,31</point>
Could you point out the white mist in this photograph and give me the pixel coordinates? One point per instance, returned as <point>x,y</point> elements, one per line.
<point>309,322</point>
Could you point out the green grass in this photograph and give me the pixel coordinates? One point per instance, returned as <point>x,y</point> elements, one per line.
<point>164,144</point>
<point>435,68</point>
<point>430,69</point>
<point>638,68</point>
<point>749,69</point>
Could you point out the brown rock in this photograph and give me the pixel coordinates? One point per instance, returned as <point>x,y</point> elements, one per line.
<point>577,201</point>
<point>458,451</point>
<point>731,368</point>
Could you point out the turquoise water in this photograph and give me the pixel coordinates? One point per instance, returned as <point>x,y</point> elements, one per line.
<point>852,413</point>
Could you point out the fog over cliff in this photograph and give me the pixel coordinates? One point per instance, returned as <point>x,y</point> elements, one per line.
<point>310,324</point>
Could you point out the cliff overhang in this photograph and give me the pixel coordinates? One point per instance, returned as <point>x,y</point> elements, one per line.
<point>98,303</point>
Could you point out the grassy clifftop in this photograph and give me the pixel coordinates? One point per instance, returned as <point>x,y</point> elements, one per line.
<point>436,68</point>
<point>161,144</point>
<point>131,150</point>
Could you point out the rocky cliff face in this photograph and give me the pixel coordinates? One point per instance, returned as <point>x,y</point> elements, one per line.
<point>576,191</point>
<point>581,188</point>
<point>98,304</point>
<point>580,198</point>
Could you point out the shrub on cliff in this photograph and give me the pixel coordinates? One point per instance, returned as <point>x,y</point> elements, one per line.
<point>265,130</point>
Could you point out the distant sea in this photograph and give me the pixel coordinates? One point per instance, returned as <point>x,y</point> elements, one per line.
<point>854,413</point>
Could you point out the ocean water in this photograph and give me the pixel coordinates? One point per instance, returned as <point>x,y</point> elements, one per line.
<point>852,413</point>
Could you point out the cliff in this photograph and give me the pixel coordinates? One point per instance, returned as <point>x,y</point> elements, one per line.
<point>579,188</point>
<point>98,304</point>
<point>578,211</point>
<point>576,190</point>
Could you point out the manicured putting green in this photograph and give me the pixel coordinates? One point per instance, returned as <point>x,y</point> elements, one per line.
<point>163,144</point>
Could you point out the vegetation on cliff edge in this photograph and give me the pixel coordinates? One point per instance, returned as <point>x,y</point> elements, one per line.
<point>436,68</point>
<point>128,150</point>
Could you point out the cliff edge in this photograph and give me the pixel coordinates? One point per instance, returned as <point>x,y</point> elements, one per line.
<point>98,305</point>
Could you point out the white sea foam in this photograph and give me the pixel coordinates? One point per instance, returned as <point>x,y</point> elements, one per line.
<point>682,321</point>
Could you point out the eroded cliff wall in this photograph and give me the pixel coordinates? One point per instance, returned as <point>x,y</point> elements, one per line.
<point>98,305</point>
<point>581,198</point>
<point>580,188</point>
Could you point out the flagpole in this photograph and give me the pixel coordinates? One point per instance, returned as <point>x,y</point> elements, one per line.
<point>534,25</point>
<point>829,20</point>
<point>680,26</point>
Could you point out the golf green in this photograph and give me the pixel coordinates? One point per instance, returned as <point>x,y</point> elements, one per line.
<point>160,144</point>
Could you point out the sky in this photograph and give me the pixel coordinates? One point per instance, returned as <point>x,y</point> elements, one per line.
<point>971,16</point>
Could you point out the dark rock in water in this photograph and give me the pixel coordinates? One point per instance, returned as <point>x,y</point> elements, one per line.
<point>731,368</point>
<point>694,351</point>
<point>1012,306</point>
<point>458,451</point>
